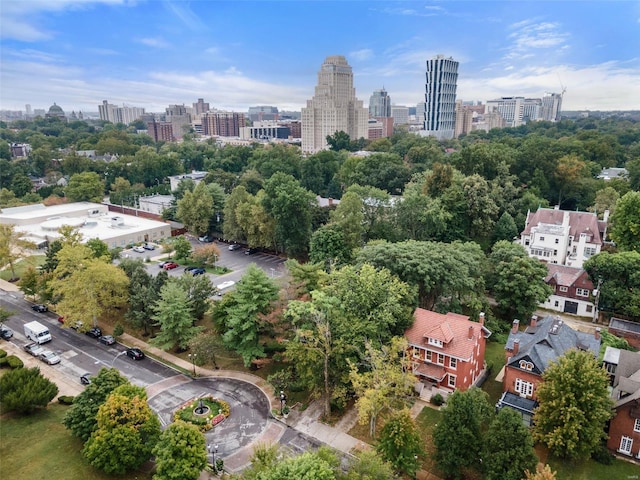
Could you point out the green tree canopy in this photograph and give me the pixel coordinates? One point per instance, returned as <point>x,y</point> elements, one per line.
<point>574,405</point>
<point>174,316</point>
<point>625,222</point>
<point>85,187</point>
<point>23,390</point>
<point>401,443</point>
<point>180,453</point>
<point>195,209</point>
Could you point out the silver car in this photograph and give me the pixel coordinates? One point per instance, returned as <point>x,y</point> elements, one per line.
<point>49,357</point>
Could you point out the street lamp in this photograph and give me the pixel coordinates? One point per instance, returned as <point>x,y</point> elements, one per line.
<point>213,449</point>
<point>283,400</point>
<point>116,357</point>
<point>192,356</point>
<point>415,472</point>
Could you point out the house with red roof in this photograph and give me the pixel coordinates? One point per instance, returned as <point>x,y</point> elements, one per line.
<point>447,351</point>
<point>563,237</point>
<point>572,290</point>
<point>624,428</point>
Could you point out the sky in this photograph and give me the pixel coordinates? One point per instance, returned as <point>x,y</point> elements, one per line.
<point>237,54</point>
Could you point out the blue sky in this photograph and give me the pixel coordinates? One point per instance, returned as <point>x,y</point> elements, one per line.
<point>236,54</point>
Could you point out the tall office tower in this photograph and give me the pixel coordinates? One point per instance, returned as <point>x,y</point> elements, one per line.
<point>551,107</point>
<point>380,104</point>
<point>262,113</point>
<point>222,124</point>
<point>464,117</point>
<point>200,107</point>
<point>400,114</point>
<point>440,97</point>
<point>107,112</point>
<point>333,108</point>
<point>27,110</point>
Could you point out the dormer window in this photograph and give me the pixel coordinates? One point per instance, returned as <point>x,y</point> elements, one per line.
<point>435,342</point>
<point>524,365</point>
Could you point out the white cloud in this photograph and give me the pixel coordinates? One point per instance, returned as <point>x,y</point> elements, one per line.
<point>153,42</point>
<point>360,55</point>
<point>528,36</point>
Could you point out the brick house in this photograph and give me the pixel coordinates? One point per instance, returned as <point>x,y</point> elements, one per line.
<point>571,290</point>
<point>624,428</point>
<point>530,352</point>
<point>447,351</point>
<point>563,237</point>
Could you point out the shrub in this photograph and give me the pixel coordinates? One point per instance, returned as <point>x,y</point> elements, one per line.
<point>65,399</point>
<point>273,347</point>
<point>603,455</point>
<point>437,400</point>
<point>2,353</point>
<point>118,330</point>
<point>219,464</point>
<point>4,362</point>
<point>14,362</point>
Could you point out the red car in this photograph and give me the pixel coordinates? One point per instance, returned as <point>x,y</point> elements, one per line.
<point>170,266</point>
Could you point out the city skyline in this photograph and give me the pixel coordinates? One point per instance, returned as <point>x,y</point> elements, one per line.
<point>151,54</point>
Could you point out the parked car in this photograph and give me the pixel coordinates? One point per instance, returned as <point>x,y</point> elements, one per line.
<point>5,332</point>
<point>250,251</point>
<point>135,353</point>
<point>85,379</point>
<point>170,266</point>
<point>149,246</point>
<point>79,325</point>
<point>235,246</point>
<point>138,248</point>
<point>205,239</point>
<point>94,332</point>
<point>198,271</point>
<point>162,264</point>
<point>33,349</point>
<point>39,307</point>
<point>107,339</point>
<point>49,357</point>
<point>189,269</point>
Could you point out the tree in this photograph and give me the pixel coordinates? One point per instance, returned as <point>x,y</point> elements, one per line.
<point>290,206</point>
<point>340,140</point>
<point>12,247</point>
<point>126,433</point>
<point>606,199</point>
<point>481,209</point>
<point>574,405</point>
<point>174,316</point>
<point>199,289</point>
<point>541,473</point>
<point>457,435</point>
<point>258,227</point>
<point>85,187</point>
<point>505,229</point>
<point>625,222</point>
<point>81,416</point>
<point>180,453</point>
<point>98,248</point>
<point>517,280</point>
<point>508,447</point>
<point>195,209</point>
<point>25,389</point>
<point>349,218</point>
<point>182,247</point>
<point>384,382</point>
<point>233,226</point>
<point>30,282</point>
<point>368,465</point>
<point>401,443</point>
<point>328,247</point>
<point>252,298</point>
<point>204,347</point>
<point>206,254</point>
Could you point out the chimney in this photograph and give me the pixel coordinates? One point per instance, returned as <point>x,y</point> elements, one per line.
<point>516,346</point>
<point>605,216</point>
<point>597,333</point>
<point>481,318</point>
<point>470,332</point>
<point>515,326</point>
<point>330,201</point>
<point>534,320</point>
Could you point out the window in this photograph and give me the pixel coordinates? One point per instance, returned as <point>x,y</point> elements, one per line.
<point>526,242</point>
<point>524,365</point>
<point>440,359</point>
<point>428,355</point>
<point>452,381</point>
<point>435,342</point>
<point>453,363</point>
<point>582,292</point>
<point>589,251</point>
<point>589,308</point>
<point>563,289</point>
<point>636,426</point>
<point>555,252</point>
<point>556,303</point>
<point>542,239</point>
<point>625,445</point>
<point>525,389</point>
<point>557,240</point>
<point>416,352</point>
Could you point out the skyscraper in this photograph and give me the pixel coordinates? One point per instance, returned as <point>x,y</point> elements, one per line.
<point>440,97</point>
<point>333,108</point>
<point>380,104</point>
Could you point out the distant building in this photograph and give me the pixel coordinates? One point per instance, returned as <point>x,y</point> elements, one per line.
<point>380,104</point>
<point>400,114</point>
<point>56,112</point>
<point>611,173</point>
<point>160,131</point>
<point>440,97</point>
<point>114,114</point>
<point>551,107</point>
<point>180,120</point>
<point>464,119</point>
<point>563,237</point>
<point>265,131</point>
<point>155,204</point>
<point>333,108</point>
<point>263,113</point>
<point>20,150</point>
<point>572,290</point>
<point>222,124</point>
<point>195,176</point>
<point>201,107</point>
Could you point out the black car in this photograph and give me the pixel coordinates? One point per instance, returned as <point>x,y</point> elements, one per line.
<point>85,379</point>
<point>38,307</point>
<point>135,353</point>
<point>94,332</point>
<point>189,269</point>
<point>198,271</point>
<point>5,332</point>
<point>250,251</point>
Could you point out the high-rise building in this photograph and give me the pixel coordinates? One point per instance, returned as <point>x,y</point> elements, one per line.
<point>107,112</point>
<point>440,97</point>
<point>160,131</point>
<point>200,107</point>
<point>400,114</point>
<point>551,107</point>
<point>263,113</point>
<point>333,108</point>
<point>516,111</point>
<point>380,104</point>
<point>464,117</point>
<point>114,114</point>
<point>222,124</point>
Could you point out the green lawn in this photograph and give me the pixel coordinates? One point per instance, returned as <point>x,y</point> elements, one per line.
<point>591,470</point>
<point>38,446</point>
<point>20,266</point>
<point>495,358</point>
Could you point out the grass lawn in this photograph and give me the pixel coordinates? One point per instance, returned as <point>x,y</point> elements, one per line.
<point>20,266</point>
<point>494,356</point>
<point>39,446</point>
<point>590,470</point>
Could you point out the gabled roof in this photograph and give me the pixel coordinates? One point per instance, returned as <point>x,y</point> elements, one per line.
<point>548,341</point>
<point>626,385</point>
<point>452,329</point>
<point>579,222</point>
<point>566,276</point>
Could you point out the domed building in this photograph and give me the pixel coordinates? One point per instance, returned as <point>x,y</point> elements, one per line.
<point>56,112</point>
